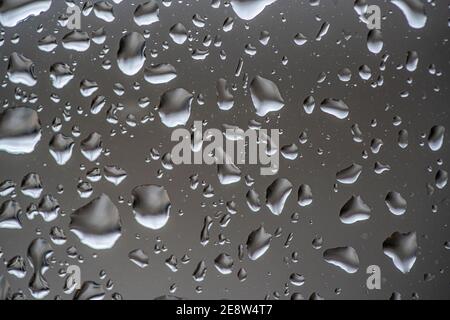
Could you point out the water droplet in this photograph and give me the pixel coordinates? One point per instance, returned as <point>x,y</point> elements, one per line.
<point>396,203</point>
<point>248,10</point>
<point>345,258</point>
<point>335,107</point>
<point>97,224</point>
<point>224,263</point>
<point>20,130</point>
<point>178,33</point>
<point>277,194</point>
<point>131,54</point>
<point>350,174</point>
<point>146,13</point>
<point>175,107</point>
<point>258,243</point>
<point>13,12</point>
<point>414,11</point>
<point>375,41</point>
<point>139,257</point>
<point>39,252</point>
<point>402,249</point>
<point>10,212</point>
<point>160,74</point>
<point>151,206</point>
<point>266,96</point>
<point>355,210</point>
<point>436,138</point>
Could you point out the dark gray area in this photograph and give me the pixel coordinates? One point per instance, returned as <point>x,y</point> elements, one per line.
<point>330,148</point>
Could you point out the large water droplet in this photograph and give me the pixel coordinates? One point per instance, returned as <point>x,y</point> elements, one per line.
<point>345,258</point>
<point>151,206</point>
<point>10,212</point>
<point>131,54</point>
<point>224,263</point>
<point>146,13</point>
<point>97,224</point>
<point>249,9</point>
<point>350,174</point>
<point>21,70</point>
<point>355,210</point>
<point>258,243</point>
<point>175,107</point>
<point>414,11</point>
<point>396,203</point>
<point>20,130</point>
<point>39,252</point>
<point>402,249</point>
<point>335,107</point>
<point>277,194</point>
<point>436,138</point>
<point>375,41</point>
<point>178,33</point>
<point>14,11</point>
<point>161,73</point>
<point>266,96</point>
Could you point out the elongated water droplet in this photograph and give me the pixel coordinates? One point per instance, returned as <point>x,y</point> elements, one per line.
<point>258,243</point>
<point>350,174</point>
<point>277,194</point>
<point>248,10</point>
<point>355,210</point>
<point>414,11</point>
<point>436,138</point>
<point>39,252</point>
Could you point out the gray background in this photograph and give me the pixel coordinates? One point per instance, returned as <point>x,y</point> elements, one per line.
<point>423,109</point>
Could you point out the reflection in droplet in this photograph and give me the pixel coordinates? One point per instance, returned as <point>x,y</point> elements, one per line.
<point>402,249</point>
<point>10,212</point>
<point>396,203</point>
<point>131,54</point>
<point>248,10</point>
<point>151,206</point>
<point>277,194</point>
<point>175,107</point>
<point>350,174</point>
<point>335,107</point>
<point>436,138</point>
<point>258,243</point>
<point>20,130</point>
<point>13,11</point>
<point>39,252</point>
<point>21,70</point>
<point>345,258</point>
<point>355,210</point>
<point>375,41</point>
<point>224,263</point>
<point>161,73</point>
<point>414,11</point>
<point>97,224</point>
<point>146,13</point>
<point>266,96</point>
